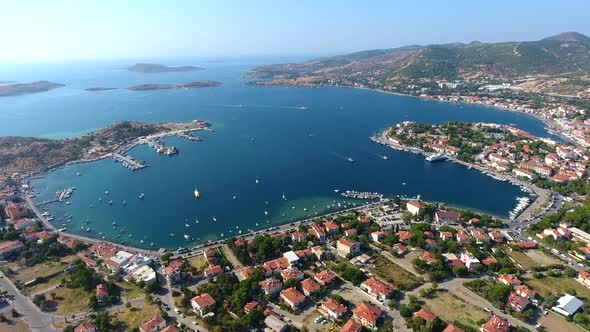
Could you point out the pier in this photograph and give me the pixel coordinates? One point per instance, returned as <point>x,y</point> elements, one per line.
<point>188,136</point>
<point>361,194</point>
<point>161,148</point>
<point>128,162</point>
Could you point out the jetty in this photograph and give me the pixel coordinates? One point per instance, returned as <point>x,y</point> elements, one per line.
<point>128,162</point>
<point>361,194</point>
<point>64,194</point>
<point>188,136</point>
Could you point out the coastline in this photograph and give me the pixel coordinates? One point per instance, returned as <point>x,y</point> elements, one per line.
<point>541,195</point>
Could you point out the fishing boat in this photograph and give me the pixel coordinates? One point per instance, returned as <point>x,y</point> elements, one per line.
<point>124,202</point>
<point>106,192</point>
<point>350,159</point>
<point>141,196</point>
<point>285,198</point>
<point>78,173</point>
<point>257,181</point>
<point>197,194</point>
<point>384,157</point>
<point>68,203</point>
<point>303,108</point>
<point>214,219</point>
<point>187,225</point>
<point>186,237</point>
<point>111,202</point>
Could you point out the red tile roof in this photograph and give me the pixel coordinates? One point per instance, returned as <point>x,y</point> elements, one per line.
<point>204,300</point>
<point>293,295</point>
<point>152,323</point>
<point>367,312</point>
<point>452,328</point>
<point>310,286</point>
<point>351,326</point>
<point>496,324</point>
<point>425,314</point>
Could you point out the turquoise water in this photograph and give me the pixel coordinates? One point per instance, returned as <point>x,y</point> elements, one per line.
<point>259,134</point>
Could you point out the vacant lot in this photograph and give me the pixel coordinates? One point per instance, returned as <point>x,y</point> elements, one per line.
<point>450,308</point>
<point>40,270</point>
<point>40,287</point>
<point>554,322</point>
<point>127,318</point>
<point>533,258</point>
<point>197,261</point>
<point>129,291</point>
<point>13,324</point>
<point>394,274</point>
<point>550,285</point>
<point>71,300</point>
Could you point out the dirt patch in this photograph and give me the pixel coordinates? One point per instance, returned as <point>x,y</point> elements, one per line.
<point>553,322</point>
<point>450,308</point>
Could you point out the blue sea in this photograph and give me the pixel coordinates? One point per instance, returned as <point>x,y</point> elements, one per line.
<point>259,133</point>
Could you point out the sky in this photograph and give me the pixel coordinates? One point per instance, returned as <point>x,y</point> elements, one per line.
<point>43,30</point>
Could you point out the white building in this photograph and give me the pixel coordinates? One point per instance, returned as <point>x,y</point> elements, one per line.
<point>567,305</point>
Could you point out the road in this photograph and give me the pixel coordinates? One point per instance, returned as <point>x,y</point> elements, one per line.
<point>166,298</point>
<point>37,320</point>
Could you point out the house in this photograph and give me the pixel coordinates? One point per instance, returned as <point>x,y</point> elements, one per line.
<point>101,292</point>
<point>452,328</point>
<point>155,324</point>
<point>430,244</point>
<point>469,260</point>
<point>446,217</point>
<point>509,279</point>
<point>414,207</point>
<point>170,328</point>
<point>351,326</point>
<point>568,305</point>
<point>332,227</point>
<point>428,257</point>
<point>318,252</point>
<point>271,285</point>
<point>10,247</point>
<point>292,273</point>
<point>497,236</point>
<point>174,271</point>
<point>347,247</point>
<point>517,303</point>
<point>293,298</point>
<point>325,277</point>
<point>275,324</point>
<point>523,173</point>
<point>367,314</point>
<point>378,236</point>
<point>584,278</point>
<point>309,287</point>
<point>212,271</point>
<point>318,232</point>
<point>24,223</point>
<point>350,232</point>
<point>202,303</point>
<point>377,289</point>
<point>480,236</point>
<point>404,235</point>
<point>527,293</point>
<point>446,236</point>
<point>333,309</point>
<point>496,324</point>
<point>16,210</point>
<point>278,264</point>
<point>298,236</point>
<point>426,315</point>
<point>400,249</point>
<point>86,327</point>
<point>252,305</point>
<point>462,236</point>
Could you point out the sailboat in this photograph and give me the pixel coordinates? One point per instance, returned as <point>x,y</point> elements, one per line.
<point>197,194</point>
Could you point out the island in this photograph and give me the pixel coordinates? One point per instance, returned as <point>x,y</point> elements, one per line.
<point>99,89</point>
<point>151,68</point>
<point>31,155</point>
<point>27,88</point>
<point>190,85</point>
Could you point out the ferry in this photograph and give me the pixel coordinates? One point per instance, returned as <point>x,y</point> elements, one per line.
<point>197,194</point>
<point>436,157</point>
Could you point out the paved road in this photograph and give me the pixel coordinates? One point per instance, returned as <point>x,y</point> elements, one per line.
<point>167,299</point>
<point>37,320</point>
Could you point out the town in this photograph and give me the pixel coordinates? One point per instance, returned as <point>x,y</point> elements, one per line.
<point>398,264</point>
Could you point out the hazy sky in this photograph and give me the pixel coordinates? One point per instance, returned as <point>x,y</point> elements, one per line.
<point>84,29</point>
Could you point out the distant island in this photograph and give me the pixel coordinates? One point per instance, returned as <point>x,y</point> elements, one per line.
<point>190,85</point>
<point>150,68</point>
<point>6,82</point>
<point>99,89</point>
<point>31,154</point>
<point>27,88</point>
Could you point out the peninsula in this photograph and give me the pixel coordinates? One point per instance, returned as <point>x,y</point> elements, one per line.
<point>190,85</point>
<point>31,155</point>
<point>27,88</point>
<point>151,68</point>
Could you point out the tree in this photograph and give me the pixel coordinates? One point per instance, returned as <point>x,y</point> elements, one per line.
<point>460,270</point>
<point>407,217</point>
<point>166,256</point>
<point>569,272</point>
<point>290,283</point>
<point>152,287</point>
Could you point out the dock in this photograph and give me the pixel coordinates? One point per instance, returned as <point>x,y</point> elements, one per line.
<point>188,136</point>
<point>361,194</point>
<point>128,162</point>
<point>161,148</point>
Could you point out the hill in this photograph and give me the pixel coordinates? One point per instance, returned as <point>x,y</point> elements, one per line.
<point>558,64</point>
